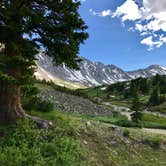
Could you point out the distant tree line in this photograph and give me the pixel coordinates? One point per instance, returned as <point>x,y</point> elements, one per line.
<point>155,87</point>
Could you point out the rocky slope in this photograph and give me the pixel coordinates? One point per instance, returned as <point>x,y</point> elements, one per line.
<point>73,104</point>
<point>91,73</point>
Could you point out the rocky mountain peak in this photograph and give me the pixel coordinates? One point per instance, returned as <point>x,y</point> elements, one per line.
<point>95,73</point>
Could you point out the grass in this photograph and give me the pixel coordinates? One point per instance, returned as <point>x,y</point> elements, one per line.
<point>106,147</point>
<point>160,108</point>
<point>104,118</point>
<point>95,142</point>
<point>103,146</point>
<point>154,121</point>
<point>140,135</point>
<point>144,99</point>
<point>123,103</point>
<point>94,92</point>
<point>78,140</point>
<point>154,118</point>
<point>25,144</point>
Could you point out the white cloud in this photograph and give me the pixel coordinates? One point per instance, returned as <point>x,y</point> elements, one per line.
<point>103,13</point>
<point>149,41</point>
<point>128,11</point>
<point>140,27</point>
<point>148,19</point>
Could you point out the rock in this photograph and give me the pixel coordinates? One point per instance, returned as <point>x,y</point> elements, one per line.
<point>113,127</point>
<point>41,123</point>
<point>72,103</point>
<point>85,142</point>
<point>88,123</point>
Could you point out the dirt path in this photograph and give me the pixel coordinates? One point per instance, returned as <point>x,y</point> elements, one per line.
<point>126,111</point>
<point>156,131</point>
<point>123,110</point>
<point>116,107</point>
<point>155,113</point>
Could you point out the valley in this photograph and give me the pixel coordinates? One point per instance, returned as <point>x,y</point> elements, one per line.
<point>82,83</point>
<point>100,126</point>
<point>91,126</point>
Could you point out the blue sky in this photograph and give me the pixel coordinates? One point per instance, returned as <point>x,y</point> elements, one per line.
<point>128,33</point>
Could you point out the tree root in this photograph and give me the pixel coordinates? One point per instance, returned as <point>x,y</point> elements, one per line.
<point>41,123</point>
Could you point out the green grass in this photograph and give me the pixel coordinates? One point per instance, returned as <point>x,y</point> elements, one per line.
<point>124,103</point>
<point>24,144</point>
<point>73,141</point>
<point>104,118</point>
<point>160,108</point>
<point>153,121</point>
<point>154,118</point>
<point>105,147</point>
<point>94,92</point>
<point>144,99</point>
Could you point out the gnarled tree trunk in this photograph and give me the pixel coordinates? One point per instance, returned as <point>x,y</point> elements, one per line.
<point>10,105</point>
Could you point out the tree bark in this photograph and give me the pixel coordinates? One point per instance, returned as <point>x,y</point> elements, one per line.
<point>10,105</point>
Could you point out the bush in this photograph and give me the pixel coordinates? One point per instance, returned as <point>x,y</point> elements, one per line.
<point>127,123</point>
<point>44,106</point>
<point>136,116</point>
<point>24,144</point>
<point>153,142</point>
<point>126,133</point>
<point>31,101</point>
<point>36,103</point>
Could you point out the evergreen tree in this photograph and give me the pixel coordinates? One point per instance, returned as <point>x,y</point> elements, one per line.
<point>144,85</point>
<point>155,96</point>
<point>133,89</point>
<point>156,80</point>
<point>26,26</point>
<point>136,107</point>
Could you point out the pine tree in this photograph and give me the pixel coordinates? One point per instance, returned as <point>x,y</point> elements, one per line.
<point>155,96</point>
<point>26,26</point>
<point>136,107</point>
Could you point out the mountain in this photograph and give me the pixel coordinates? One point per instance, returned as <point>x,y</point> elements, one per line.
<point>148,72</point>
<point>90,73</point>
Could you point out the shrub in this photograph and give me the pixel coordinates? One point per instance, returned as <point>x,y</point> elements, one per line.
<point>127,123</point>
<point>36,103</point>
<point>24,144</point>
<point>153,142</point>
<point>136,116</point>
<point>126,133</point>
<point>44,106</point>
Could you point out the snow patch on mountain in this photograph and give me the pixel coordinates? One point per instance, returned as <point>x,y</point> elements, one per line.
<point>93,73</point>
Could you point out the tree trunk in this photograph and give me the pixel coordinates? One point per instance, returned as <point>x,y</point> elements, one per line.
<point>10,105</point>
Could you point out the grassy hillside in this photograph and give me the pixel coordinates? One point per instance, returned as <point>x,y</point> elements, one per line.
<point>80,138</point>
<point>97,104</point>
<point>76,141</point>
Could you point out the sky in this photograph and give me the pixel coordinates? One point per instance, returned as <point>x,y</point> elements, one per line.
<point>128,33</point>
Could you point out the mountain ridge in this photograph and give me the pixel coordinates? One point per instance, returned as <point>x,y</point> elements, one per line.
<point>93,73</point>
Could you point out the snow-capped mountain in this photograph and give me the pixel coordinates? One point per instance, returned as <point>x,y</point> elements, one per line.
<point>148,72</point>
<point>92,73</point>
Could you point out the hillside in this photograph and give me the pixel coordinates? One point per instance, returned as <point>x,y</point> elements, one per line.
<point>106,104</point>
<point>75,141</point>
<point>85,131</point>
